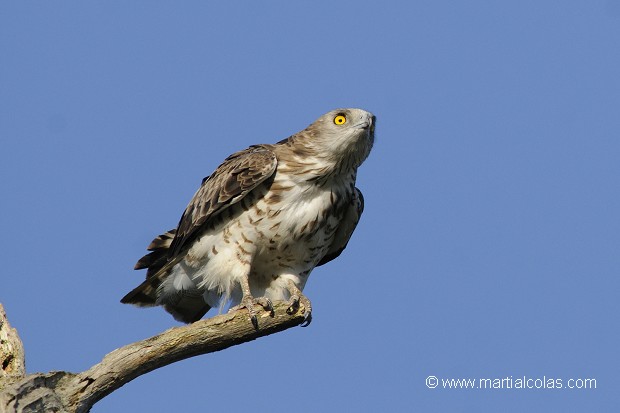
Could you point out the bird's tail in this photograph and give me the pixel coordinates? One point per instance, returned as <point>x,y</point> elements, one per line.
<point>145,295</point>
<point>186,307</point>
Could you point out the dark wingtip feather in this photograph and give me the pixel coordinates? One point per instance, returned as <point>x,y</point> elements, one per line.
<point>158,256</point>
<point>138,299</point>
<point>162,241</point>
<point>145,261</point>
<point>143,295</point>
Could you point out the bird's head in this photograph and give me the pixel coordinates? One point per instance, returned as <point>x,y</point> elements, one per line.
<point>344,136</point>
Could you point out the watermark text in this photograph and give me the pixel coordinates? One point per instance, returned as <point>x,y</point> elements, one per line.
<point>510,382</point>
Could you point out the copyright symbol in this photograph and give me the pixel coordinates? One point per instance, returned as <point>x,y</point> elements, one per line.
<point>431,382</point>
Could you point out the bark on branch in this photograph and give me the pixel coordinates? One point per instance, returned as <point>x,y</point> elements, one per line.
<point>76,393</point>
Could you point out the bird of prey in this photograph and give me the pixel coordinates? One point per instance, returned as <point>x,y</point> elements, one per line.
<point>261,222</point>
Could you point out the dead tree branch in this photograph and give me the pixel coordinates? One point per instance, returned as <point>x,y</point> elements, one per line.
<point>12,367</point>
<point>66,392</point>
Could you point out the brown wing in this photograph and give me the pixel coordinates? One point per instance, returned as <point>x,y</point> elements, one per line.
<point>347,226</point>
<point>240,173</point>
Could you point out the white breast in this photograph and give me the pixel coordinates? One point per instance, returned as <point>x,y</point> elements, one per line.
<point>273,242</point>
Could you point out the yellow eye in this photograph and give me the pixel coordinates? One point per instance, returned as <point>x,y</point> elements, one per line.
<point>340,120</point>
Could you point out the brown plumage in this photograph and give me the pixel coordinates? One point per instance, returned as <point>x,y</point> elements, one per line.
<point>262,221</point>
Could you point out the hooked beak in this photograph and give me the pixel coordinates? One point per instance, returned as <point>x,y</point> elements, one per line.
<point>368,123</point>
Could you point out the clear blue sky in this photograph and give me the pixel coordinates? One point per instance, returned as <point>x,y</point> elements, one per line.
<point>490,243</point>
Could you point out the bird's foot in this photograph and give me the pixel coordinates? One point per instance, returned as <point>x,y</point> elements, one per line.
<point>294,302</point>
<point>248,302</point>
